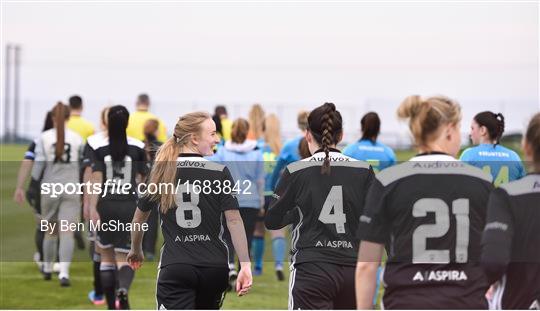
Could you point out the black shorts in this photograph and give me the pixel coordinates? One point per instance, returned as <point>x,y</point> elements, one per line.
<point>117,212</point>
<point>183,286</point>
<point>321,286</point>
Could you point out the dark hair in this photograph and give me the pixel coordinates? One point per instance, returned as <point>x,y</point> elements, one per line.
<point>220,110</point>
<point>303,149</point>
<point>494,123</point>
<point>60,114</point>
<point>143,99</point>
<point>48,124</point>
<point>533,137</point>
<point>371,126</point>
<point>326,126</point>
<point>117,118</point>
<point>240,129</point>
<point>75,102</point>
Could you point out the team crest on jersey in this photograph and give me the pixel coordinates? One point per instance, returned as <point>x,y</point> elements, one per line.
<point>440,276</point>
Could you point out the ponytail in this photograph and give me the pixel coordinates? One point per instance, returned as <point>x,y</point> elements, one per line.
<point>165,169</point>
<point>371,126</point>
<point>60,114</point>
<point>326,126</point>
<point>117,121</point>
<point>493,122</point>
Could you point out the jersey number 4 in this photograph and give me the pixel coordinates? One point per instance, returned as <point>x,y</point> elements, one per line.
<point>460,209</point>
<point>332,210</point>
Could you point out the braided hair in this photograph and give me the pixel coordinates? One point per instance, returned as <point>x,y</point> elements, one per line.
<point>494,123</point>
<point>326,126</point>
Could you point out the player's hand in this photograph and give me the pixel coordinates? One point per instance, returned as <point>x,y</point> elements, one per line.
<point>244,280</point>
<point>261,212</point>
<point>135,258</point>
<point>18,197</point>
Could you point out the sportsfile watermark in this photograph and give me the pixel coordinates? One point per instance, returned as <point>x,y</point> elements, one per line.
<point>121,187</point>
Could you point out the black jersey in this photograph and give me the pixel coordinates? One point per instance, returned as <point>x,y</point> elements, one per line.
<point>327,207</point>
<point>119,177</point>
<point>430,214</point>
<point>193,229</point>
<point>511,244</point>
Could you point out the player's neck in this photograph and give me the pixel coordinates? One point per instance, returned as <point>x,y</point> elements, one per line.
<point>486,141</point>
<point>189,149</point>
<point>76,113</point>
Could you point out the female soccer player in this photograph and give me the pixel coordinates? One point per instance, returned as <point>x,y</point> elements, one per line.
<point>429,212</point>
<point>194,261</point>
<point>502,163</point>
<point>271,148</point>
<point>379,155</point>
<point>117,160</point>
<point>33,192</point>
<point>511,240</point>
<point>325,195</point>
<point>58,152</point>
<point>245,161</point>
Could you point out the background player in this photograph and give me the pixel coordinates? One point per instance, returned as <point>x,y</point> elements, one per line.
<point>138,118</point>
<point>327,192</point>
<point>58,153</point>
<point>502,163</point>
<point>379,155</point>
<point>117,159</point>
<point>429,212</point>
<point>271,148</point>
<point>511,240</point>
<point>194,261</point>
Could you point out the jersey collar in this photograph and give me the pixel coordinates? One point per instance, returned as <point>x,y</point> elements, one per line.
<point>189,155</point>
<point>329,149</point>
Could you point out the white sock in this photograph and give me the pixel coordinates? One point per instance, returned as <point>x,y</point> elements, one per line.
<point>67,245</point>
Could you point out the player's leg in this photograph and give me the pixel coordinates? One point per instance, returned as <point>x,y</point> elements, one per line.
<point>96,295</point>
<point>176,287</point>
<point>211,289</point>
<point>68,211</point>
<point>49,208</point>
<point>279,248</point>
<point>122,244</point>
<point>310,287</point>
<point>346,297</point>
<point>108,273</point>
<point>257,246</point>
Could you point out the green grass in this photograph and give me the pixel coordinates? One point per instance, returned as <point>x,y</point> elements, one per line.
<point>22,287</point>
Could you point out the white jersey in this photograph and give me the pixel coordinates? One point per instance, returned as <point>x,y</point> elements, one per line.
<point>64,170</point>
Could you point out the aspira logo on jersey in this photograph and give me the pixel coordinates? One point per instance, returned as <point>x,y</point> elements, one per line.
<point>440,276</point>
<point>334,244</point>
<point>192,238</point>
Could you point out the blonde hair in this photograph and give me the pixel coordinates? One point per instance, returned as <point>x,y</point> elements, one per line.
<point>272,133</point>
<point>426,116</point>
<point>105,116</point>
<point>239,132</point>
<point>256,120</point>
<point>302,120</point>
<point>164,169</point>
<point>533,137</point>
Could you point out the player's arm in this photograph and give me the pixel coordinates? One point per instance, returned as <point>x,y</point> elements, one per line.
<point>497,236</point>
<point>283,200</point>
<point>24,171</point>
<point>280,165</point>
<point>98,168</point>
<point>373,231</point>
<point>369,259</point>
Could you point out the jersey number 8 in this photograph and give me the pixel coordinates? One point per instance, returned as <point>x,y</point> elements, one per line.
<point>460,209</point>
<point>187,201</point>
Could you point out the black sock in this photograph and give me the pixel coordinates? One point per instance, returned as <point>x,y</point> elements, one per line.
<point>39,242</point>
<point>98,289</point>
<point>125,277</point>
<point>108,283</point>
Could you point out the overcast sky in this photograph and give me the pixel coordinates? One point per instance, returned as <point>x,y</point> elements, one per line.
<point>286,56</point>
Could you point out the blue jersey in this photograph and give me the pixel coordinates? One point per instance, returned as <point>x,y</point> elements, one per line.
<point>269,165</point>
<point>502,163</point>
<point>379,155</point>
<point>289,153</point>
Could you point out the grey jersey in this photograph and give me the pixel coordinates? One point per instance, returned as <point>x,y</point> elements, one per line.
<point>65,169</point>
